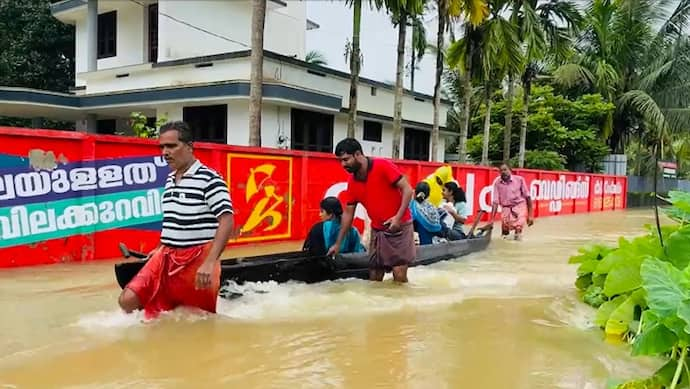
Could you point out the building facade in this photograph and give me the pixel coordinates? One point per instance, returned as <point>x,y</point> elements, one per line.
<point>190,60</point>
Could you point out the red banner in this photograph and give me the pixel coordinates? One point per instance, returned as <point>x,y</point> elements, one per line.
<point>275,193</point>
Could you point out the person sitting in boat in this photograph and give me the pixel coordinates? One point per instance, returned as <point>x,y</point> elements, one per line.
<point>426,218</point>
<point>324,233</point>
<point>456,211</point>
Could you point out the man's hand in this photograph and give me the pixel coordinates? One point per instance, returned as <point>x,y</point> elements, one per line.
<point>530,220</point>
<point>393,224</point>
<point>203,274</point>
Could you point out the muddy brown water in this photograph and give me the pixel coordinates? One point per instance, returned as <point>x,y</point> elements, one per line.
<point>508,317</point>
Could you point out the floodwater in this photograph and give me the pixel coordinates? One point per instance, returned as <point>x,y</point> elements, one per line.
<point>508,317</point>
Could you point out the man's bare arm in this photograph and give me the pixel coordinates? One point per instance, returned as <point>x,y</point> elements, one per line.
<point>407,194</point>
<point>345,225</point>
<point>226,222</point>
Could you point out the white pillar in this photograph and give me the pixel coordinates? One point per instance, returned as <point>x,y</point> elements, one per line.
<point>92,36</point>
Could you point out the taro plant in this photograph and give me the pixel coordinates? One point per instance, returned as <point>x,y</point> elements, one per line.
<point>641,290</point>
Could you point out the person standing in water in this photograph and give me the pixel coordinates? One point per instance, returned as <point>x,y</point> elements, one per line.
<point>197,222</point>
<point>382,189</point>
<point>510,192</point>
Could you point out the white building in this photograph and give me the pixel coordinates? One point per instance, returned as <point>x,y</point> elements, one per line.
<point>190,60</point>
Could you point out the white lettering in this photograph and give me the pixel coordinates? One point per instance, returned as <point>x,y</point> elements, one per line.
<point>109,176</point>
<point>140,173</point>
<point>60,182</point>
<point>7,186</point>
<point>335,189</point>
<point>19,222</point>
<point>560,189</point>
<point>32,184</point>
<point>612,188</point>
<point>42,221</point>
<point>107,212</point>
<point>83,178</point>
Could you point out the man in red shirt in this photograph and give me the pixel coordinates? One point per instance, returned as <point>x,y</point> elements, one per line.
<point>385,193</point>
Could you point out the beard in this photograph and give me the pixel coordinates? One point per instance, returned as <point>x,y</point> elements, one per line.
<point>505,176</point>
<point>354,168</point>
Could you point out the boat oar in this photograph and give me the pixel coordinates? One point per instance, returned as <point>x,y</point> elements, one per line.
<point>126,252</point>
<point>476,222</point>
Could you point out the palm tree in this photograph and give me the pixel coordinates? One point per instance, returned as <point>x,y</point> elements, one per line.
<point>354,57</point>
<point>475,11</point>
<point>641,68</point>
<point>401,11</point>
<point>499,54</point>
<point>315,57</point>
<point>418,47</point>
<point>257,70</point>
<point>543,40</point>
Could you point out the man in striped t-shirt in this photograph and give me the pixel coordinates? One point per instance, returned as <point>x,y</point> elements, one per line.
<point>197,223</point>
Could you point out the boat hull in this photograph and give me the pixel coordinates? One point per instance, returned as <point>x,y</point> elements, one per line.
<point>299,266</point>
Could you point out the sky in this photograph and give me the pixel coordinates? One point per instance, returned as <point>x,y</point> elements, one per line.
<point>378,42</point>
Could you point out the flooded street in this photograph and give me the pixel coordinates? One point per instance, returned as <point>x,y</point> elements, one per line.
<point>508,317</point>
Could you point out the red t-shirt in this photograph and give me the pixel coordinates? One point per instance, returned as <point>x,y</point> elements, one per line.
<point>378,192</point>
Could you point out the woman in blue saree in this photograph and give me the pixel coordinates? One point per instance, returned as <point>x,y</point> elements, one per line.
<point>324,233</point>
<point>425,216</point>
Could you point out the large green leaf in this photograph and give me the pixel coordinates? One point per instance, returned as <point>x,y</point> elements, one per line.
<point>665,285</point>
<point>587,267</point>
<point>678,248</point>
<point>621,317</point>
<point>623,277</point>
<point>683,313</point>
<point>595,252</point>
<point>605,310</point>
<point>655,338</point>
<point>604,266</point>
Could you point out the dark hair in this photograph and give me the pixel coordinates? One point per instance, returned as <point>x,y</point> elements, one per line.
<point>421,191</point>
<point>507,164</point>
<point>332,206</point>
<point>185,133</point>
<point>458,194</point>
<point>348,146</point>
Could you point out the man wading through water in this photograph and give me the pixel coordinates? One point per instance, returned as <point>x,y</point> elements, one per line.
<point>385,193</point>
<point>510,192</point>
<point>197,221</point>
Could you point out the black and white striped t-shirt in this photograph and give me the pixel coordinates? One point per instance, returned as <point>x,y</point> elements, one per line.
<point>191,207</point>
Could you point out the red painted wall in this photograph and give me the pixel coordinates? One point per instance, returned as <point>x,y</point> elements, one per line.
<point>67,196</point>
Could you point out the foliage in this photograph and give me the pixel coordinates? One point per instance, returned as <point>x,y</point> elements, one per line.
<point>557,125</point>
<point>315,57</point>
<point>139,124</point>
<point>641,290</point>
<point>36,50</point>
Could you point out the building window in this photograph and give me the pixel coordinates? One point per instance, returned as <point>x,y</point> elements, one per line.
<point>107,35</point>
<point>153,32</point>
<point>312,131</point>
<point>209,123</point>
<point>372,131</point>
<point>106,126</point>
<point>416,144</point>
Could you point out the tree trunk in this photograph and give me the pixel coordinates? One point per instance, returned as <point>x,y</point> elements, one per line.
<point>526,89</point>
<point>467,100</point>
<point>507,132</point>
<point>354,68</point>
<point>257,70</point>
<point>437,84</point>
<point>487,128</point>
<point>412,64</point>
<point>397,118</point>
